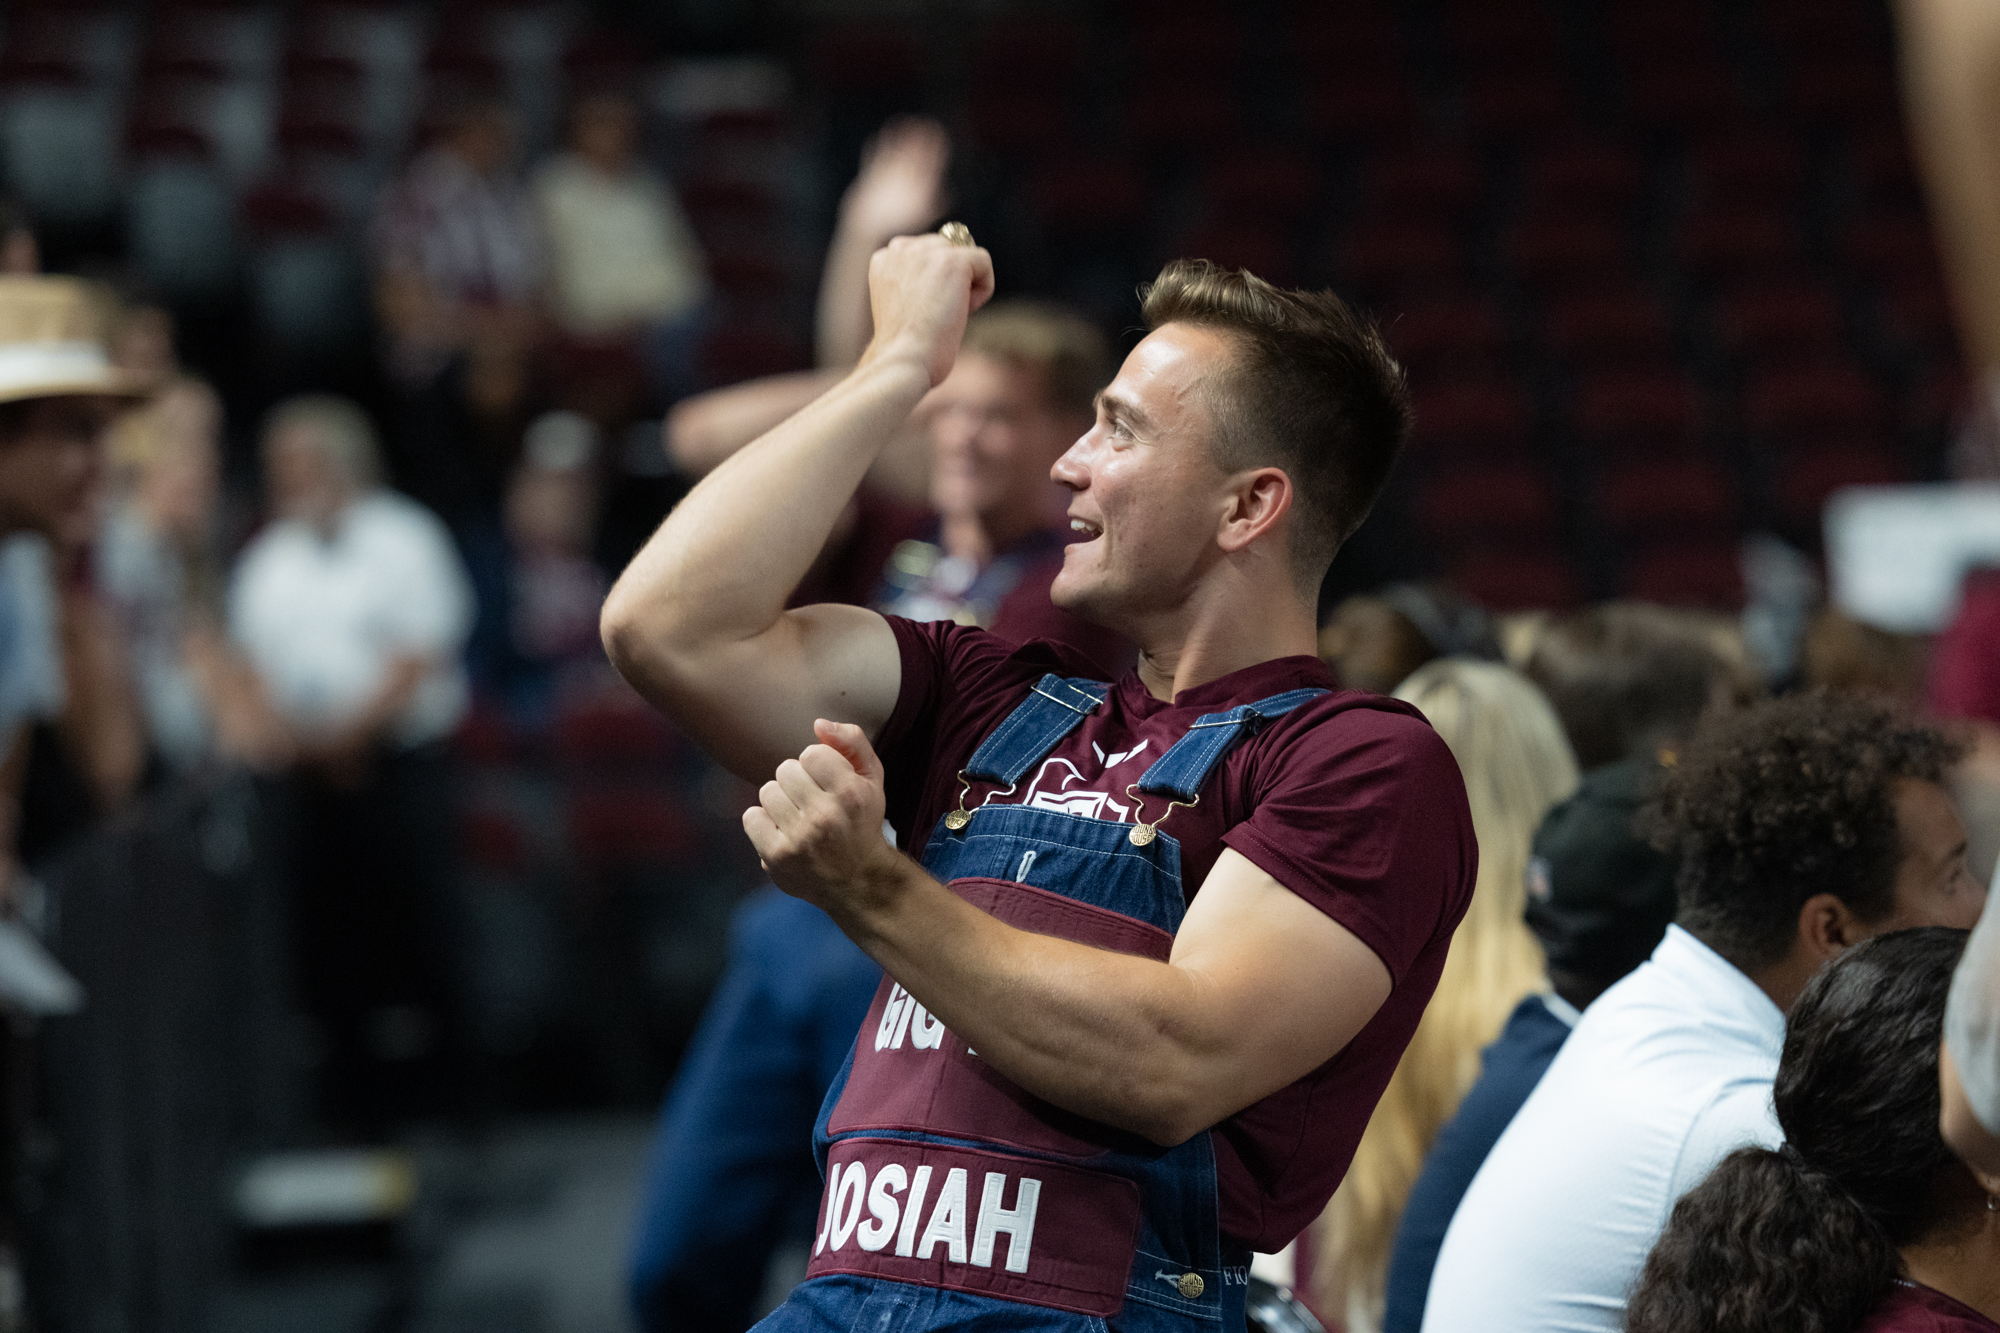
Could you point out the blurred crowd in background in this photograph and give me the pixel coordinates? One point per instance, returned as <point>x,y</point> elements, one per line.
<point>438,307</point>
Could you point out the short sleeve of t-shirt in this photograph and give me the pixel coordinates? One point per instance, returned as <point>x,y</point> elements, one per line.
<point>1359,809</point>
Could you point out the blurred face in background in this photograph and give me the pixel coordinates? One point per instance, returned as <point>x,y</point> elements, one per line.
<point>483,137</point>
<point>301,480</point>
<point>993,437</point>
<point>179,485</point>
<point>604,131</point>
<point>52,466</point>
<point>551,512</point>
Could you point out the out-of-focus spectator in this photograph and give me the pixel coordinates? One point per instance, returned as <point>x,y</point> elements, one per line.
<point>159,565</point>
<point>1516,764</point>
<point>58,394</point>
<point>1802,826</point>
<point>353,609</point>
<point>1599,897</point>
<point>1841,653</point>
<point>20,252</point>
<point>625,268</point>
<point>1863,1222</point>
<point>1624,676</point>
<point>1375,640</point>
<point>555,588</point>
<point>900,190</point>
<point>458,270</point>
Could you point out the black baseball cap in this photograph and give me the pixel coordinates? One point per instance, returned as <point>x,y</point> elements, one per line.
<point>1600,896</point>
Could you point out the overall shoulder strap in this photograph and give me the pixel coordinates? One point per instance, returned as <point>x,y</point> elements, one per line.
<point>1180,772</point>
<point>1053,708</point>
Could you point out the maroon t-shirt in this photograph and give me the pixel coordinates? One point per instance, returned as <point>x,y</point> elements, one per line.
<point>1911,1307</point>
<point>1351,801</point>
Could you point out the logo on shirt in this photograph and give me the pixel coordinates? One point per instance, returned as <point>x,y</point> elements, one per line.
<point>1059,785</point>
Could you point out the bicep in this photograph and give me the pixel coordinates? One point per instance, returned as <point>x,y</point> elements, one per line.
<point>752,703</point>
<point>1288,984</point>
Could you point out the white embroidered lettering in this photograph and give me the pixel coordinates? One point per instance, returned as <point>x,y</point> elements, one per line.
<point>892,1012</point>
<point>947,1222</point>
<point>913,1208</point>
<point>875,1235</point>
<point>1027,864</point>
<point>826,1208</point>
<point>903,1023</point>
<point>927,1033</point>
<point>1018,1222</point>
<point>844,1213</point>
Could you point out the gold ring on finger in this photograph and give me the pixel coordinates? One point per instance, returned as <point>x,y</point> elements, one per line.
<point>957,233</point>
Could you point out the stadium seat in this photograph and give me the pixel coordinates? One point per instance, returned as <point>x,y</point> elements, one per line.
<point>1807,475</point>
<point>1706,574</point>
<point>1737,243</point>
<point>1465,501</point>
<point>1383,257</point>
<point>1617,325</point>
<point>1473,418</point>
<point>1828,398</point>
<point>1176,113</point>
<point>614,729</point>
<point>1568,252</point>
<point>1266,251</point>
<point>1533,579</point>
<point>1856,91</point>
<point>1455,333</point>
<point>1364,105</point>
<point>1779,319</point>
<point>1089,194</point>
<point>1581,176</point>
<point>1518,104</point>
<point>1766,168</point>
<point>1620,410</point>
<point>629,826</point>
<point>1423,181</point>
<point>1269,184</point>
<point>1678,493</point>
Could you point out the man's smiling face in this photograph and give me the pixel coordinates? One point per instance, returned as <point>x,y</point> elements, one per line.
<point>1146,491</point>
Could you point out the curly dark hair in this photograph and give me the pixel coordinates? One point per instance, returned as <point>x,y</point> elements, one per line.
<point>1785,800</point>
<point>1804,1239</point>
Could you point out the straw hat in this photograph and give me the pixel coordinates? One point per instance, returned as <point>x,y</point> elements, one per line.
<point>52,342</point>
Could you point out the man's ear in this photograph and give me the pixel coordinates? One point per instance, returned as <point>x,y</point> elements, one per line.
<point>1828,927</point>
<point>1259,500</point>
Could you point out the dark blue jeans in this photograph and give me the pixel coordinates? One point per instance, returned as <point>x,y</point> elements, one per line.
<point>733,1171</point>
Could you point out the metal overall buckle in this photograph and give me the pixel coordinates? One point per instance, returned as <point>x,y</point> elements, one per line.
<point>959,818</point>
<point>1142,832</point>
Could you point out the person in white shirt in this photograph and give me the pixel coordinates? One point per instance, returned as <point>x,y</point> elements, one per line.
<point>353,608</point>
<point>1803,826</point>
<point>623,260</point>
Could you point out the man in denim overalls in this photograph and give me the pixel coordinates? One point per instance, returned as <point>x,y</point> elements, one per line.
<point>1112,1054</point>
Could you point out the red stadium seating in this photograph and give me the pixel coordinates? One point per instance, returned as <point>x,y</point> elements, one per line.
<point>1538,578</point>
<point>1827,399</point>
<point>1705,574</point>
<point>1780,319</point>
<point>1676,493</point>
<point>1745,242</point>
<point>1611,326</point>
<point>1657,409</point>
<point>1422,180</point>
<point>1806,476</point>
<point>1569,252</point>
<point>1582,176</point>
<point>1467,501</point>
<point>1386,256</point>
<point>1473,418</point>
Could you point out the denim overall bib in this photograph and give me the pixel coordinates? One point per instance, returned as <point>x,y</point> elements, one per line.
<point>979,1203</point>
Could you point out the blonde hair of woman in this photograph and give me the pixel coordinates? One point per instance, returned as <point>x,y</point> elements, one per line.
<point>1516,763</point>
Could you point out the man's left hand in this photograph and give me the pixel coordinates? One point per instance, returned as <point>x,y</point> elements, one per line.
<point>818,823</point>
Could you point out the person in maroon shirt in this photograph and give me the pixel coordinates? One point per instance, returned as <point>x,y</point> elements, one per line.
<point>1167,937</point>
<point>1864,1222</point>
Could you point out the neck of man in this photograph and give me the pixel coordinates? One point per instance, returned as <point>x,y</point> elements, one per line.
<point>1242,614</point>
<point>1967,1269</point>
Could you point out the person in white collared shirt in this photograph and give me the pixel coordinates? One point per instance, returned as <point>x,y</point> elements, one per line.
<point>1803,826</point>
<point>353,608</point>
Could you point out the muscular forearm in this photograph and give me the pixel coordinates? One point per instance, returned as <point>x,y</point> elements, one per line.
<point>718,571</point>
<point>1124,1040</point>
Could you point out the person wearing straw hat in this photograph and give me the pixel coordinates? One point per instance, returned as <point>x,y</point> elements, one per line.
<point>58,395</point>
